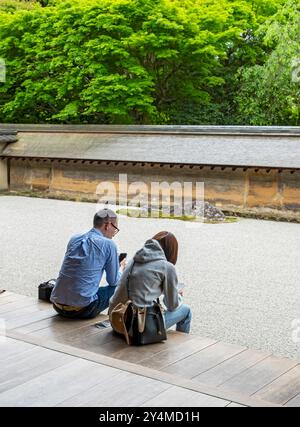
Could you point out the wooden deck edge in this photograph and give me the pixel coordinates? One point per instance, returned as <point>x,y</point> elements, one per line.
<point>141,370</point>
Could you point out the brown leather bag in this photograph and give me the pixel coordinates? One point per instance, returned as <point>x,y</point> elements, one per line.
<point>118,319</point>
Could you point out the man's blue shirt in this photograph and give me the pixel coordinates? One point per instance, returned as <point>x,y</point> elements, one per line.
<point>87,257</point>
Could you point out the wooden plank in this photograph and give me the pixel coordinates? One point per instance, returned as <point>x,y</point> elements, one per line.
<point>8,297</point>
<point>15,357</point>
<point>231,368</point>
<point>180,398</point>
<point>55,322</point>
<point>29,318</point>
<point>60,327</point>
<point>96,342</point>
<point>123,390</point>
<point>141,370</point>
<point>135,354</point>
<point>117,348</point>
<point>57,325</point>
<point>29,310</point>
<point>283,389</point>
<point>175,353</point>
<point>29,365</point>
<point>11,297</point>
<point>58,385</point>
<point>259,375</point>
<point>177,348</point>
<point>10,347</point>
<point>294,403</point>
<point>16,306</point>
<point>75,334</point>
<point>208,358</point>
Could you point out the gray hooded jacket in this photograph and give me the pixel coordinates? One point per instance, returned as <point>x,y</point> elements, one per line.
<point>152,276</point>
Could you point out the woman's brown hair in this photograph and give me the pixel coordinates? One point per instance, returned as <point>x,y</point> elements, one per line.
<point>169,244</point>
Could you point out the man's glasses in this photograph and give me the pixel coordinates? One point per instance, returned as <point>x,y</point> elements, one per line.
<point>116,228</point>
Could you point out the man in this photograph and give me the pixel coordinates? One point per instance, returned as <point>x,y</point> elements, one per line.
<point>77,293</point>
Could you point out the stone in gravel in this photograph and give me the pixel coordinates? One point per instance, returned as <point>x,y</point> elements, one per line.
<point>203,210</point>
<point>194,209</point>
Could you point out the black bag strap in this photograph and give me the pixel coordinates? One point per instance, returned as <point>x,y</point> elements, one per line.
<point>128,279</point>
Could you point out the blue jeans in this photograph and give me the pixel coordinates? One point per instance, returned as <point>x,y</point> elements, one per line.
<point>181,317</point>
<point>96,307</point>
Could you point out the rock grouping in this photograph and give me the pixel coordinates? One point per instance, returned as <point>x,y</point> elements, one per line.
<point>206,210</point>
<point>195,209</point>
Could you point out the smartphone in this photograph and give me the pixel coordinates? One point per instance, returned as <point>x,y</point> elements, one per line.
<point>180,286</point>
<point>122,256</point>
<point>103,325</point>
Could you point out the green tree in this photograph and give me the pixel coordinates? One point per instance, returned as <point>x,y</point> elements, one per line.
<point>10,6</point>
<point>129,61</point>
<point>243,47</point>
<point>270,93</point>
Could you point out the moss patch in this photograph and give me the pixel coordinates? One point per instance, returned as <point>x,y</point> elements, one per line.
<point>162,215</point>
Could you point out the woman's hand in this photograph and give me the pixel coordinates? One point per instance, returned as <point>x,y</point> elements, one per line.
<point>123,265</point>
<point>180,292</point>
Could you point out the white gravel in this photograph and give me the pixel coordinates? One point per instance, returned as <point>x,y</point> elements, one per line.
<point>242,279</point>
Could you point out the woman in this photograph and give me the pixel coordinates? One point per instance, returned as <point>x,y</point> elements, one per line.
<point>152,276</point>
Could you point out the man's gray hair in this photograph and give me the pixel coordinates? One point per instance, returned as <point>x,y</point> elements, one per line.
<point>104,216</point>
